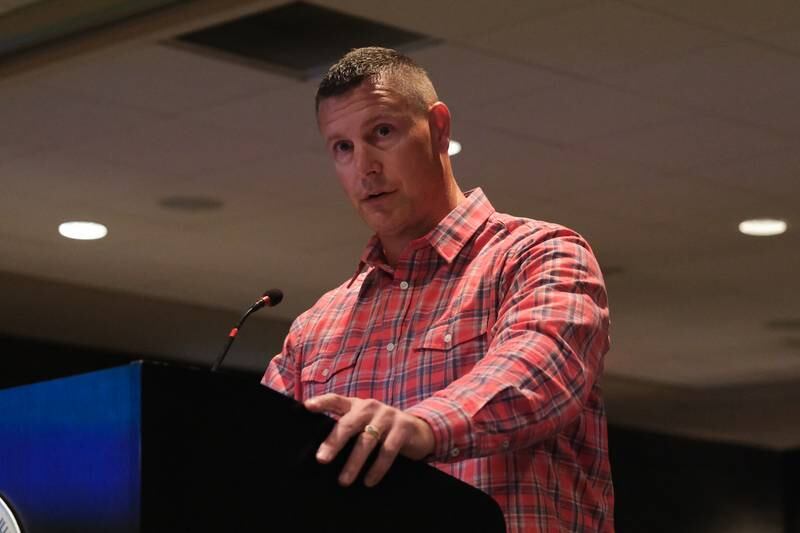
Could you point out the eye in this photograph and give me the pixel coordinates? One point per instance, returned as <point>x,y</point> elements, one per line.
<point>342,147</point>
<point>383,130</point>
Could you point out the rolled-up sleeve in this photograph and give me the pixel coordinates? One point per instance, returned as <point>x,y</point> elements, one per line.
<point>544,357</point>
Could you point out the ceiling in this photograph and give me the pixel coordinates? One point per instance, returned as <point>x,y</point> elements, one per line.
<point>652,127</point>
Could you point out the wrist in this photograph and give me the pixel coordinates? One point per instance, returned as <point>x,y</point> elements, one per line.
<point>423,444</point>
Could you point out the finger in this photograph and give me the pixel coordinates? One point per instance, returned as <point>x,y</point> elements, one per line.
<point>390,448</point>
<point>348,425</point>
<point>363,447</point>
<point>330,403</point>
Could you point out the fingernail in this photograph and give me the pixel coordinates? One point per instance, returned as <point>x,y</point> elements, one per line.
<point>369,482</point>
<point>323,455</point>
<point>344,479</point>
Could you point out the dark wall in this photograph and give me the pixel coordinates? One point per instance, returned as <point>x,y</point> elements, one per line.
<point>672,484</point>
<point>27,361</point>
<point>791,478</point>
<point>106,322</point>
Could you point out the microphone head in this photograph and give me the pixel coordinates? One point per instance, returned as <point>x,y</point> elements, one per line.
<point>275,296</point>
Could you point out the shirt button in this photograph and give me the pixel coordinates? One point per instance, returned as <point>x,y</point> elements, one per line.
<point>390,347</point>
<point>404,285</point>
<point>448,337</point>
<point>454,452</point>
<point>506,444</point>
<point>325,372</point>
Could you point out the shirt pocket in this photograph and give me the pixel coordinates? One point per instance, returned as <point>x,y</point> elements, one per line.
<point>330,371</point>
<point>448,350</point>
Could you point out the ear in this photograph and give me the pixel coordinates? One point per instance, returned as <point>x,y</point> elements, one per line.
<point>439,122</point>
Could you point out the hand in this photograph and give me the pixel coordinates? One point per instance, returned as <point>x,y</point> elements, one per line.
<point>399,433</point>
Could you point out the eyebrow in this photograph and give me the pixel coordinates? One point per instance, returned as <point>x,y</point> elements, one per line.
<point>380,117</point>
<point>370,123</point>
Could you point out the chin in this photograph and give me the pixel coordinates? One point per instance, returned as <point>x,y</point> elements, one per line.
<point>379,224</point>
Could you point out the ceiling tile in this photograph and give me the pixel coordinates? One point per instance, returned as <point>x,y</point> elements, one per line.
<point>738,16</point>
<point>683,203</point>
<point>11,150</point>
<point>173,148</point>
<point>282,174</point>
<point>572,112</point>
<point>773,174</point>
<point>726,79</point>
<point>161,79</point>
<point>598,38</point>
<point>773,113</point>
<point>6,6</point>
<point>682,145</point>
<point>42,117</point>
<point>465,77</point>
<point>788,40</point>
<point>510,164</point>
<point>283,117</point>
<point>65,189</point>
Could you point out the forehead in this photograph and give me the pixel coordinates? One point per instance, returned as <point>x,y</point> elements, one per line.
<point>361,104</point>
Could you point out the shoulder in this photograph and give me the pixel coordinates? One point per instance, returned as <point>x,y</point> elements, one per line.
<point>538,253</point>
<point>523,236</point>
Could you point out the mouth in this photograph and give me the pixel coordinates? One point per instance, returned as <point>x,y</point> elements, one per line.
<point>376,195</point>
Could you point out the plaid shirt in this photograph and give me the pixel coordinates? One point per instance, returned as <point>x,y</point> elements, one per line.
<point>492,329</point>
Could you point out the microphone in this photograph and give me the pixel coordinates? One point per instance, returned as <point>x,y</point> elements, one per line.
<point>270,298</point>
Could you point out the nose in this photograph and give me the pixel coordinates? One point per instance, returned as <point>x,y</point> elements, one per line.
<point>367,162</point>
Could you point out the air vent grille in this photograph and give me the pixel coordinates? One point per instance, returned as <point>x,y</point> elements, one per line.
<point>298,39</point>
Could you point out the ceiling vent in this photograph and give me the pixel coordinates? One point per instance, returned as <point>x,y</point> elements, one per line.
<point>784,324</point>
<point>298,39</point>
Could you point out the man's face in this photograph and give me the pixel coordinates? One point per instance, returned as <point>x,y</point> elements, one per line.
<point>385,159</point>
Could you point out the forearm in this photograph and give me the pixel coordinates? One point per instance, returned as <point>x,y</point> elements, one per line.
<point>491,412</point>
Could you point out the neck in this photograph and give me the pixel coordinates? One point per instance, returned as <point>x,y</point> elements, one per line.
<point>394,245</point>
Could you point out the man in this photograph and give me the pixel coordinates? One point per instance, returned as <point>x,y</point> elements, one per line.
<point>468,338</point>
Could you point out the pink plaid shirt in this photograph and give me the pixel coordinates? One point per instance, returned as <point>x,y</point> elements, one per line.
<point>492,329</point>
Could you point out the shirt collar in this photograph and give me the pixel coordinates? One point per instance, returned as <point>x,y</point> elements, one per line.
<point>447,238</point>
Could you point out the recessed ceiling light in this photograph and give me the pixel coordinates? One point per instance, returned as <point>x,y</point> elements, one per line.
<point>762,227</point>
<point>191,203</point>
<point>82,231</point>
<point>454,148</point>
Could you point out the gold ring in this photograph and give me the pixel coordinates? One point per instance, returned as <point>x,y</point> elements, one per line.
<point>372,431</point>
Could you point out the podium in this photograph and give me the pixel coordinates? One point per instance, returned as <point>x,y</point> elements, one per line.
<point>152,447</point>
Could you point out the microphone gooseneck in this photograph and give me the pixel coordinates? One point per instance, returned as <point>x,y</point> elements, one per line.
<point>270,298</point>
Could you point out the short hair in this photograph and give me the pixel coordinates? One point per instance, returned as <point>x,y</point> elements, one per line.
<point>373,63</point>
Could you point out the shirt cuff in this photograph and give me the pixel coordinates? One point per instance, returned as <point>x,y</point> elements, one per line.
<point>451,428</point>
